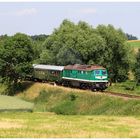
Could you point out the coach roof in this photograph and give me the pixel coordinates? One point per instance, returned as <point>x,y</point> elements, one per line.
<point>83,67</point>
<point>48,67</point>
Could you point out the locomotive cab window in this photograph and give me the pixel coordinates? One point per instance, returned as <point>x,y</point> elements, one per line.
<point>104,72</point>
<point>97,72</point>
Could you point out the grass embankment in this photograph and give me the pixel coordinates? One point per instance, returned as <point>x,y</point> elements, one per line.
<point>8,103</point>
<point>39,125</point>
<point>72,101</point>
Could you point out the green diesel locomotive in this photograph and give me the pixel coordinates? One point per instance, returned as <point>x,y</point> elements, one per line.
<point>83,76</point>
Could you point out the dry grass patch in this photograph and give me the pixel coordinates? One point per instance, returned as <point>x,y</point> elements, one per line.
<point>133,41</point>
<point>33,91</point>
<point>45,125</point>
<point>9,124</point>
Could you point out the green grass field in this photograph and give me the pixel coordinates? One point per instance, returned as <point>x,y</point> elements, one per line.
<point>8,103</point>
<point>47,125</point>
<point>135,44</point>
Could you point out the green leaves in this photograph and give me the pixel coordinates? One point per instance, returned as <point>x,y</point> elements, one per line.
<point>16,55</point>
<point>137,68</point>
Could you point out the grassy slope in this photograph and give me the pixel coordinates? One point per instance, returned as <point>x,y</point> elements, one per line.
<point>72,101</point>
<point>13,103</point>
<point>39,125</point>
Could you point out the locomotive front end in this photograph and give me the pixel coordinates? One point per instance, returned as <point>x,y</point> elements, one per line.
<point>100,79</point>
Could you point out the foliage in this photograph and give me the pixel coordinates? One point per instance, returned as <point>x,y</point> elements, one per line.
<point>68,56</point>
<point>40,37</point>
<point>137,68</point>
<point>117,58</point>
<point>46,57</point>
<point>16,55</point>
<point>3,89</point>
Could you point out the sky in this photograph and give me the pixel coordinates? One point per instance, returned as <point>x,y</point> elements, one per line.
<point>43,17</point>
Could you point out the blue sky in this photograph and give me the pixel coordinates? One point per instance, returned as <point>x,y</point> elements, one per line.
<point>41,18</point>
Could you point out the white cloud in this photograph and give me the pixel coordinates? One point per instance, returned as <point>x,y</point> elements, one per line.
<point>22,12</point>
<point>88,11</point>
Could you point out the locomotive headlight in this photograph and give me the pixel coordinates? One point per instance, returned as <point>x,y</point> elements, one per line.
<point>100,77</point>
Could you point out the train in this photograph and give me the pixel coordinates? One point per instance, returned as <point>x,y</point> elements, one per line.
<point>93,77</point>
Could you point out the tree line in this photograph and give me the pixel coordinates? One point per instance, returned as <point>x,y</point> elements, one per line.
<point>69,44</point>
<point>131,37</point>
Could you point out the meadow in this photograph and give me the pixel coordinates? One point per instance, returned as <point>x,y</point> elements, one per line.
<point>49,125</point>
<point>135,44</point>
<point>8,103</point>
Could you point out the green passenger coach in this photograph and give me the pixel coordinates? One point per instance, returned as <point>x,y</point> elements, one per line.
<point>47,72</point>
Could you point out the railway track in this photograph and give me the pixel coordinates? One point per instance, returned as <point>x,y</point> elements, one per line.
<point>123,95</point>
<point>130,96</point>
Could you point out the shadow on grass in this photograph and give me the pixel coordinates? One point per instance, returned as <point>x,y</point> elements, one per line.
<point>24,86</point>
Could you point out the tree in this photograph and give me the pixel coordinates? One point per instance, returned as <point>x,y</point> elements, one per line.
<point>68,56</point>
<point>16,55</point>
<point>40,37</point>
<point>45,57</point>
<point>117,58</point>
<point>137,68</point>
<point>72,43</point>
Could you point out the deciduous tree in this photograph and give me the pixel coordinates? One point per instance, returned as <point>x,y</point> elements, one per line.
<point>16,55</point>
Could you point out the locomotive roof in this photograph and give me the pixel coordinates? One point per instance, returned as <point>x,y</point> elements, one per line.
<point>83,67</point>
<point>48,67</point>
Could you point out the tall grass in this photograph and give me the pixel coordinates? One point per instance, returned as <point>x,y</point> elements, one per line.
<point>3,89</point>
